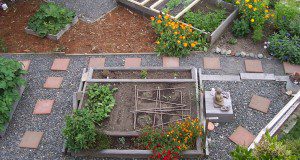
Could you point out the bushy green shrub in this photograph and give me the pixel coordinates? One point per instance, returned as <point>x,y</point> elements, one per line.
<point>100,101</point>
<point>10,80</point>
<point>284,14</point>
<point>294,27</point>
<point>240,28</point>
<point>50,19</point>
<point>258,34</point>
<point>205,21</point>
<point>285,47</point>
<point>242,153</point>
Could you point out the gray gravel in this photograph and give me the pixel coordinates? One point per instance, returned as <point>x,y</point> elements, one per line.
<point>89,12</point>
<point>51,125</point>
<point>252,120</point>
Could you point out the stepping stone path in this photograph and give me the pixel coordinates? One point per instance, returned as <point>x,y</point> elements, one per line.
<point>43,107</point>
<point>133,62</point>
<point>53,82</point>
<point>290,68</point>
<point>260,103</point>
<point>60,64</point>
<point>97,62</point>
<point>170,62</point>
<point>211,63</point>
<point>26,64</point>
<point>242,137</point>
<point>253,66</point>
<point>31,139</point>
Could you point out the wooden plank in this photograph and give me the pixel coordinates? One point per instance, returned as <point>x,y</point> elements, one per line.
<point>186,9</point>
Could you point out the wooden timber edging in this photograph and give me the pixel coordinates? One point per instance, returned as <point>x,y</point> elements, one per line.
<point>21,91</point>
<point>77,104</point>
<point>275,124</point>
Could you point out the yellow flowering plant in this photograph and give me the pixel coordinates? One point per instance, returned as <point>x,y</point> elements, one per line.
<point>176,38</point>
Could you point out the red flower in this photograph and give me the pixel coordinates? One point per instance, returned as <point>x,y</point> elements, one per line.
<point>158,155</point>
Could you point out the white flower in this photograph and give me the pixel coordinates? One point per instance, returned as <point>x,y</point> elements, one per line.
<point>265,47</point>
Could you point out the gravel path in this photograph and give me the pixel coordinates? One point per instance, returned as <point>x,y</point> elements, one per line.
<point>52,142</point>
<point>89,12</point>
<point>252,120</point>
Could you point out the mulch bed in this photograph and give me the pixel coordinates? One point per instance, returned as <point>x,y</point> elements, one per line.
<point>120,31</point>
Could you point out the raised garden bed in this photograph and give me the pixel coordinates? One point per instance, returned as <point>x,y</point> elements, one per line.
<point>21,90</point>
<point>202,6</point>
<point>135,100</point>
<point>57,36</point>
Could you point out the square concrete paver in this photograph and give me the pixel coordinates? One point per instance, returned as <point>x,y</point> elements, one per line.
<point>170,62</point>
<point>53,82</point>
<point>43,107</point>
<point>31,139</point>
<point>211,63</point>
<point>133,62</point>
<point>242,137</point>
<point>60,64</point>
<point>260,103</point>
<point>97,62</point>
<point>290,68</point>
<point>254,66</point>
<point>26,64</point>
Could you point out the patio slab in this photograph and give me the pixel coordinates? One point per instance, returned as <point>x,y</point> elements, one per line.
<point>242,137</point>
<point>26,64</point>
<point>43,107</point>
<point>60,64</point>
<point>133,62</point>
<point>31,139</point>
<point>253,66</point>
<point>290,68</point>
<point>260,103</point>
<point>170,62</point>
<point>96,62</point>
<point>211,63</point>
<point>53,82</point>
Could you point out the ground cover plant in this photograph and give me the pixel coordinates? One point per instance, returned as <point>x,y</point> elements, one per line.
<point>167,144</point>
<point>176,38</point>
<point>3,47</point>
<point>174,3</point>
<point>10,80</point>
<point>83,128</point>
<point>205,21</point>
<point>50,19</point>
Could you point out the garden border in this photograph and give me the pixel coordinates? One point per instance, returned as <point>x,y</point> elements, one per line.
<point>78,98</point>
<point>21,91</point>
<point>58,35</point>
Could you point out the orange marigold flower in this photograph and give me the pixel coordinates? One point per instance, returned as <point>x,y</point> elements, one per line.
<point>157,42</point>
<point>250,6</point>
<point>185,44</point>
<point>159,16</point>
<point>252,20</point>
<point>178,42</point>
<point>152,18</point>
<point>193,45</point>
<point>175,33</point>
<point>158,21</point>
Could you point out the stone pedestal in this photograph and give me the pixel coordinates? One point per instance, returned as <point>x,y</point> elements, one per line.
<point>215,114</point>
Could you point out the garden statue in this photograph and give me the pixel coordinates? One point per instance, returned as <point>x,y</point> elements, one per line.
<point>218,98</point>
<point>295,77</point>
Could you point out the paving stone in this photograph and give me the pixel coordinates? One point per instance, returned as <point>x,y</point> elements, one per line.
<point>133,62</point>
<point>290,68</point>
<point>258,76</point>
<point>60,64</point>
<point>53,82</point>
<point>242,137</point>
<point>43,107</point>
<point>253,66</point>
<point>170,62</point>
<point>260,103</point>
<point>211,63</point>
<point>97,62</point>
<point>26,64</point>
<point>31,139</point>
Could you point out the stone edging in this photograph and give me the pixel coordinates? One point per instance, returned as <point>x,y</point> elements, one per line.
<point>237,54</point>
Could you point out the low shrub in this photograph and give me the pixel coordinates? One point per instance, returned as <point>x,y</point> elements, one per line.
<point>258,34</point>
<point>240,28</point>
<point>285,47</point>
<point>284,14</point>
<point>294,27</point>
<point>175,38</point>
<point>294,146</point>
<point>50,19</point>
<point>10,80</point>
<point>242,153</point>
<point>205,21</point>
<point>168,143</point>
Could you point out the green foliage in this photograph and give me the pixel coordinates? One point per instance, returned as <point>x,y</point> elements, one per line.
<point>50,19</point>
<point>284,14</point>
<point>10,79</point>
<point>100,101</point>
<point>294,27</point>
<point>3,47</point>
<point>257,34</point>
<point>285,47</point>
<point>144,74</point>
<point>205,21</point>
<point>294,146</point>
<point>172,4</point>
<point>240,28</point>
<point>241,153</point>
<point>294,132</point>
<point>232,41</point>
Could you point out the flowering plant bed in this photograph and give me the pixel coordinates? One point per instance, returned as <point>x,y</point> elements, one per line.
<point>142,109</point>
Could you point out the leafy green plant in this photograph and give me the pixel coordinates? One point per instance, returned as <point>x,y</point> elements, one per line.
<point>232,41</point>
<point>3,47</point>
<point>174,3</point>
<point>205,21</point>
<point>294,27</point>
<point>100,101</point>
<point>285,47</point>
<point>50,19</point>
<point>294,146</point>
<point>284,14</point>
<point>257,34</point>
<point>10,79</point>
<point>240,28</point>
<point>122,140</point>
<point>144,74</point>
<point>242,153</point>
